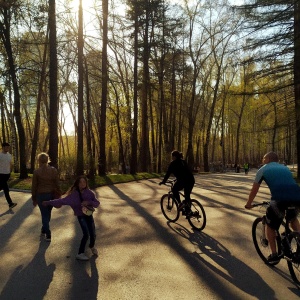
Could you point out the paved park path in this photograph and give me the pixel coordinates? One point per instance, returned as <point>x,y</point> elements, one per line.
<point>141,255</point>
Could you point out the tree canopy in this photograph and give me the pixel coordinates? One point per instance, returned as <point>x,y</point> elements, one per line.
<point>106,86</point>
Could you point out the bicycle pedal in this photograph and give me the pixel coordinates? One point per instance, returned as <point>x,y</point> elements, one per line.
<point>189,215</point>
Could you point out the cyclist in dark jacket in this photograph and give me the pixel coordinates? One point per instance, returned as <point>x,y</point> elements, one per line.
<point>184,176</point>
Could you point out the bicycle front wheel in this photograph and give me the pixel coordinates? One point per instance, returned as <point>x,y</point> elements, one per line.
<point>197,217</point>
<point>260,241</point>
<point>169,207</point>
<point>294,263</point>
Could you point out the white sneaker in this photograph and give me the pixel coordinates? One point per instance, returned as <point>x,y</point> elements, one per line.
<point>94,251</point>
<point>81,256</point>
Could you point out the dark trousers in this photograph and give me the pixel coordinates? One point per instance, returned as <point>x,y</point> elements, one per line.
<point>187,188</point>
<point>3,184</point>
<point>87,225</point>
<point>45,212</point>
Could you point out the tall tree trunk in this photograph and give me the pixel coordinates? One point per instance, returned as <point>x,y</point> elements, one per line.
<point>134,139</point>
<point>79,166</point>
<point>5,37</point>
<point>297,77</point>
<point>2,116</point>
<point>35,138</point>
<point>91,159</point>
<point>238,130</point>
<point>240,116</point>
<point>210,121</point>
<point>144,152</point>
<point>102,129</point>
<point>53,107</point>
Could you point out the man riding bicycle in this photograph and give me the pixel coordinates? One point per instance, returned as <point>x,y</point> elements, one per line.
<point>185,179</point>
<point>284,190</point>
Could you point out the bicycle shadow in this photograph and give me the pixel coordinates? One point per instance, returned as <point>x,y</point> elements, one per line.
<point>285,275</point>
<point>219,259</point>
<point>26,281</point>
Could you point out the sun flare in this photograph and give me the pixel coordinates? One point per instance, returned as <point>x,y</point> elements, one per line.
<point>86,4</point>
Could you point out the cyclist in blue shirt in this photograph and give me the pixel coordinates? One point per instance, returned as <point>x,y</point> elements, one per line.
<point>283,190</point>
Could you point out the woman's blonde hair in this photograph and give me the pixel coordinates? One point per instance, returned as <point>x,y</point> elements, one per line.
<point>43,158</point>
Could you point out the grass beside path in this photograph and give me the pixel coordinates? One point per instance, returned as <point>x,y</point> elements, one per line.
<point>25,184</point>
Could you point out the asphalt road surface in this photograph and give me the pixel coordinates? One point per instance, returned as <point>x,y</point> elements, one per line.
<point>141,255</point>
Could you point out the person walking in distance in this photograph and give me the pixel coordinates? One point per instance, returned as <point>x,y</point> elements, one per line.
<point>45,183</point>
<point>246,168</point>
<point>5,170</point>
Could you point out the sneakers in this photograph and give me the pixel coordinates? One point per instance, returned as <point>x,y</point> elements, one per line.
<point>273,259</point>
<point>94,251</point>
<point>82,256</point>
<point>12,205</point>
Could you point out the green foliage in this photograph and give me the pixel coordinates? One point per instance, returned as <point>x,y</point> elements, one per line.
<point>182,97</point>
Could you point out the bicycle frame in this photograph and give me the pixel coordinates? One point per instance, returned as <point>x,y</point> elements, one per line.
<point>194,213</point>
<point>170,184</point>
<point>288,244</point>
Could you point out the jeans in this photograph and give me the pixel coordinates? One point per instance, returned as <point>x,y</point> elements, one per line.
<point>45,212</point>
<point>87,225</point>
<point>3,182</point>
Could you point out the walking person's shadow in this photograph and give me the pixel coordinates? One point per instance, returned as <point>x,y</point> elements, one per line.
<point>85,282</point>
<point>32,281</point>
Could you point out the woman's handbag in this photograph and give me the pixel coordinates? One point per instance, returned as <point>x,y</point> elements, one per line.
<point>87,209</point>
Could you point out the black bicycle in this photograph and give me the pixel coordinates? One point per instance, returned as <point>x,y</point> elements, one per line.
<point>287,243</point>
<point>195,214</point>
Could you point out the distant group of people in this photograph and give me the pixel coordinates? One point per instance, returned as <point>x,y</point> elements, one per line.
<point>246,167</point>
<point>219,167</point>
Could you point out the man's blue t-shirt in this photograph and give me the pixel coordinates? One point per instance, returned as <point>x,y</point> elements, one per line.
<point>280,182</point>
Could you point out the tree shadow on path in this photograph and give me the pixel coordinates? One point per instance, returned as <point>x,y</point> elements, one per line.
<point>195,261</point>
<point>217,258</point>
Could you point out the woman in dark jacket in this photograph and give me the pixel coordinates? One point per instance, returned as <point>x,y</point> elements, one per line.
<point>184,177</point>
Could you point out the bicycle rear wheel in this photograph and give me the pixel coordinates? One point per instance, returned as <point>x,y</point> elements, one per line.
<point>169,207</point>
<point>294,263</point>
<point>197,217</point>
<point>260,241</point>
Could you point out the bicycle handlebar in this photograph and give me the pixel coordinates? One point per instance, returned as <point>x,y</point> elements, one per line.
<point>169,182</point>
